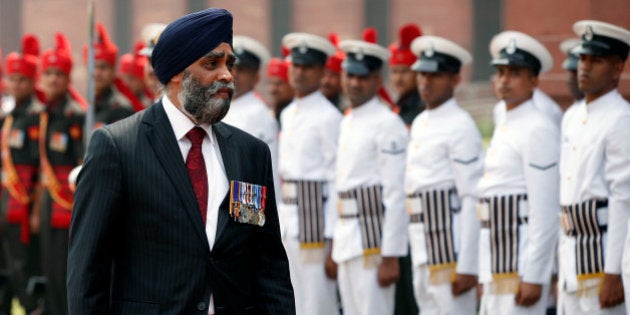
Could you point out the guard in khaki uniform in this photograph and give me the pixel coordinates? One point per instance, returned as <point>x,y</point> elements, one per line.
<point>518,206</point>
<point>308,147</point>
<point>60,150</point>
<point>444,165</point>
<point>371,231</point>
<point>20,170</point>
<point>595,177</point>
<point>248,111</point>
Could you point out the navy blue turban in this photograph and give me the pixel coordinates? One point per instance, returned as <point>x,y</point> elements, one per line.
<point>189,38</point>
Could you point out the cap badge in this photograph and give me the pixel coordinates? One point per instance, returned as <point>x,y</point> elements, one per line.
<point>303,48</point>
<point>588,34</point>
<point>359,54</point>
<point>511,48</point>
<point>430,51</point>
<point>52,58</point>
<point>238,50</point>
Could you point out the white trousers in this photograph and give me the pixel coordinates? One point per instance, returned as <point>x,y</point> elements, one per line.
<point>438,299</point>
<point>504,304</point>
<point>571,304</point>
<point>315,294</point>
<point>625,270</point>
<point>360,292</point>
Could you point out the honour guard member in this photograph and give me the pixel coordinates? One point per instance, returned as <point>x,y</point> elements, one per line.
<point>132,74</point>
<point>150,34</point>
<point>279,89</point>
<point>518,206</point>
<point>444,165</point>
<point>60,150</point>
<point>371,230</point>
<point>570,47</point>
<point>20,170</point>
<point>331,82</point>
<point>402,78</point>
<point>595,176</point>
<point>308,147</point>
<point>114,100</point>
<point>248,111</point>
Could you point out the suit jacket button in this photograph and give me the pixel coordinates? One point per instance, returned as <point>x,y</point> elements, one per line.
<point>201,306</point>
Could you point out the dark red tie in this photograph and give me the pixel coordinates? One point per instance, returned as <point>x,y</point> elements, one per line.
<point>197,169</point>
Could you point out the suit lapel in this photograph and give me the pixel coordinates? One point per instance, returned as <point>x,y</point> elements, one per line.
<point>162,139</point>
<point>229,157</point>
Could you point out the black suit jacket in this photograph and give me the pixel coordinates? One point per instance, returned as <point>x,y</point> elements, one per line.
<point>137,241</point>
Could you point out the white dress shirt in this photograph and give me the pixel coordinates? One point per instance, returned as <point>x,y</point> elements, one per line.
<point>595,164</point>
<point>217,178</point>
<point>522,159</point>
<point>308,151</point>
<point>249,113</point>
<point>372,151</point>
<point>444,152</point>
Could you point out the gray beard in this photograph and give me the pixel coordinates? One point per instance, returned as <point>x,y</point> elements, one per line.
<point>200,102</point>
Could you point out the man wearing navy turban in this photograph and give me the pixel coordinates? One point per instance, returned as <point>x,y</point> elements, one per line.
<point>174,210</point>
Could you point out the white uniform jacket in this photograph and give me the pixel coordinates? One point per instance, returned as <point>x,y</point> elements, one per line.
<point>445,152</point>
<point>522,158</point>
<point>250,114</point>
<point>372,151</point>
<point>595,164</point>
<point>308,151</point>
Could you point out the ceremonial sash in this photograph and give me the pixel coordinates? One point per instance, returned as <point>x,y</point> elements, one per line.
<point>366,204</point>
<point>504,215</point>
<point>587,222</point>
<point>309,196</point>
<point>435,210</point>
<point>55,180</point>
<point>18,180</point>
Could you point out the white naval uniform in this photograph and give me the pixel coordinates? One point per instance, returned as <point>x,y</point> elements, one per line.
<point>250,114</point>
<point>522,159</point>
<point>595,164</point>
<point>308,149</point>
<point>372,145</point>
<point>542,102</point>
<point>445,152</point>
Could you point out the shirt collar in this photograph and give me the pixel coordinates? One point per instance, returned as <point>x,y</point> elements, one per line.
<point>308,99</point>
<point>444,108</point>
<point>366,108</point>
<point>180,123</point>
<point>600,102</point>
<point>519,110</point>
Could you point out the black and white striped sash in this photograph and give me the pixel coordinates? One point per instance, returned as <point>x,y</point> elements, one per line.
<point>309,198</point>
<point>583,222</point>
<point>370,214</point>
<point>504,221</point>
<point>437,208</point>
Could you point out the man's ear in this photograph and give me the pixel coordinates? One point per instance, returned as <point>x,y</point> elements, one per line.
<point>177,78</point>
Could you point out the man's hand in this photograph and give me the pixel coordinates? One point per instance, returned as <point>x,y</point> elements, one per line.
<point>388,271</point>
<point>463,283</point>
<point>528,294</point>
<point>611,292</point>
<point>330,267</point>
